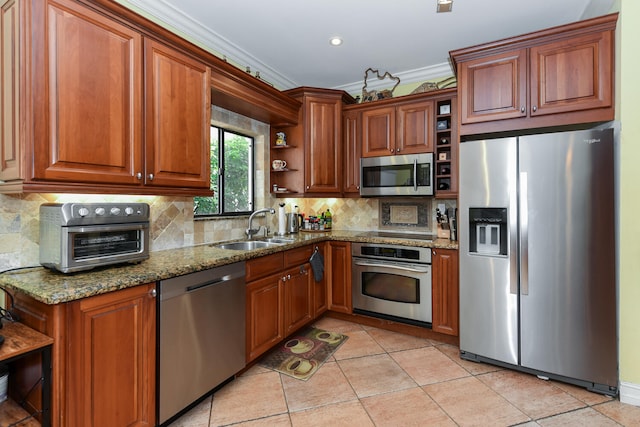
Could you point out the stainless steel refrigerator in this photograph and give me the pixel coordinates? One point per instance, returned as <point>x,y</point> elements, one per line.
<point>537,255</point>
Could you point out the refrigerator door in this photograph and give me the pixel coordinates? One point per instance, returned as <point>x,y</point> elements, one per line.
<point>488,279</point>
<point>567,278</point>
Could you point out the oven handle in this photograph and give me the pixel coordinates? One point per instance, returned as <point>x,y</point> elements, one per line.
<point>392,266</point>
<point>106,227</point>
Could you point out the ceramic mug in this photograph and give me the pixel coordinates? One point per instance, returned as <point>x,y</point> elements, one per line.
<point>278,164</point>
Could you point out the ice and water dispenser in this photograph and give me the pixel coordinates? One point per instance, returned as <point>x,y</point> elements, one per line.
<point>488,231</point>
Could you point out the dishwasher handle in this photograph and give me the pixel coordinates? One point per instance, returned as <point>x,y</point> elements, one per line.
<point>206,284</point>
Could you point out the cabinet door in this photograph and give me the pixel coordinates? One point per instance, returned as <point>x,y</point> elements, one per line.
<point>493,87</point>
<point>319,289</point>
<point>323,148</point>
<point>111,363</point>
<point>378,132</point>
<point>415,128</point>
<point>264,315</point>
<point>88,93</point>
<point>352,152</point>
<point>340,277</point>
<point>572,75</point>
<point>445,291</point>
<point>11,166</point>
<point>297,297</point>
<point>177,119</point>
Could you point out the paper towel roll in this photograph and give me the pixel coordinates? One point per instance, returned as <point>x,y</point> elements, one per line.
<point>282,221</point>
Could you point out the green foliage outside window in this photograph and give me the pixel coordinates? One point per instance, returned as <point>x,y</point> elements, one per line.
<point>231,154</point>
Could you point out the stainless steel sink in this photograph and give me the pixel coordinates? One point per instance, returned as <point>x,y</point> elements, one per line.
<point>280,240</point>
<point>248,245</point>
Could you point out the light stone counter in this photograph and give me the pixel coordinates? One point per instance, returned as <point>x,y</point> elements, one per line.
<point>52,287</point>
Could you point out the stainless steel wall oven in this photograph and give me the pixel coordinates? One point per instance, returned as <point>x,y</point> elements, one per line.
<point>392,281</point>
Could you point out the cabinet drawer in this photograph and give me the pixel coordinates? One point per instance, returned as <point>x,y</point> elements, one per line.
<point>263,266</point>
<point>297,256</point>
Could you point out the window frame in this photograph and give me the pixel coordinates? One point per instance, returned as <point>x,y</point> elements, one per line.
<point>220,195</point>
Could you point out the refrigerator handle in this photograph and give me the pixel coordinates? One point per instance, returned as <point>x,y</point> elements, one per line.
<point>524,235</point>
<point>415,174</point>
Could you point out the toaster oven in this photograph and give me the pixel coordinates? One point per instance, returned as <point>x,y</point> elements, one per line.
<point>82,236</point>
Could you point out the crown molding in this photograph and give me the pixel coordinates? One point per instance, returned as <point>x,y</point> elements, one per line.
<point>169,17</point>
<point>430,73</point>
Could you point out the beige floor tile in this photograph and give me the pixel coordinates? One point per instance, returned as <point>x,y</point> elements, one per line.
<point>274,421</point>
<point>337,325</point>
<point>586,417</point>
<point>412,407</point>
<point>582,394</point>
<point>358,344</point>
<point>196,417</point>
<point>475,368</point>
<point>345,414</point>
<point>471,403</point>
<point>392,341</point>
<point>328,385</point>
<point>255,369</point>
<point>376,374</point>
<point>247,398</point>
<point>627,415</point>
<point>533,396</point>
<point>428,365</point>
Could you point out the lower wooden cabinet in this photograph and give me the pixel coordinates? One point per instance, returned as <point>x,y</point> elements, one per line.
<point>445,291</point>
<point>103,362</point>
<point>265,324</point>
<point>282,297</point>
<point>339,267</point>
<point>111,359</point>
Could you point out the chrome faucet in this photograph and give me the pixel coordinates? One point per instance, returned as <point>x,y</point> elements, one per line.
<point>251,231</point>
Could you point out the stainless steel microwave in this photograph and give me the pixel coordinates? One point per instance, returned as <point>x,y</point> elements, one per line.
<point>400,175</point>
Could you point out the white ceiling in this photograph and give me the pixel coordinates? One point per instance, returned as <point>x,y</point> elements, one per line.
<point>287,41</point>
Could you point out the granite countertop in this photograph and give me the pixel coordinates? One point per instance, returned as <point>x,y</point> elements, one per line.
<point>51,287</point>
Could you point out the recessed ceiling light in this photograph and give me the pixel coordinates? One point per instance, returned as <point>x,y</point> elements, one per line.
<point>335,41</point>
<point>444,6</point>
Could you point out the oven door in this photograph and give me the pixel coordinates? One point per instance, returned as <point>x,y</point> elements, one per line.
<point>390,288</point>
<point>84,247</point>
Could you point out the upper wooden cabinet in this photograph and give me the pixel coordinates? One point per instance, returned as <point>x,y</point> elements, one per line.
<point>352,147</point>
<point>560,76</point>
<point>314,151</point>
<point>177,119</point>
<point>83,112</point>
<point>405,128</point>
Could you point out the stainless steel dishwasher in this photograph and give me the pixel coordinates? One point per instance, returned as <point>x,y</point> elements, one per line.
<point>201,318</point>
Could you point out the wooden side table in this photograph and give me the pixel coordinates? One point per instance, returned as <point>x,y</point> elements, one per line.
<point>20,341</point>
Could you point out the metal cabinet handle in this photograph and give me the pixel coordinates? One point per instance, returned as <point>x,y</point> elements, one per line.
<point>139,175</point>
<point>151,177</point>
<point>522,110</point>
<point>397,150</point>
<point>288,277</point>
<point>284,278</point>
<point>535,108</point>
<point>153,293</point>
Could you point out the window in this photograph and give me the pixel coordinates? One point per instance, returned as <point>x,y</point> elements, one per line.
<point>231,175</point>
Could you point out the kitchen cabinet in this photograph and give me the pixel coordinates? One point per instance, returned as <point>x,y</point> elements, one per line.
<point>446,148</point>
<point>352,146</point>
<point>406,128</point>
<point>444,288</point>
<point>282,297</point>
<point>559,76</point>
<point>107,109</point>
<point>103,359</point>
<point>339,268</point>
<point>319,289</point>
<point>317,156</point>
<point>111,359</point>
